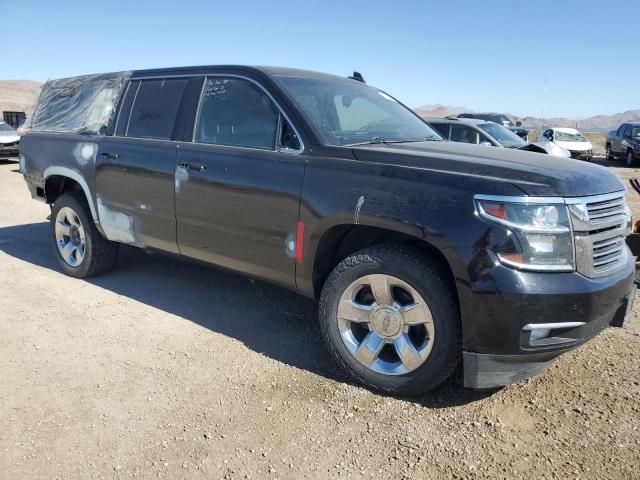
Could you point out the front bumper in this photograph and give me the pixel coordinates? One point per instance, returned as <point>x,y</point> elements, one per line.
<point>498,350</point>
<point>581,154</point>
<point>9,150</point>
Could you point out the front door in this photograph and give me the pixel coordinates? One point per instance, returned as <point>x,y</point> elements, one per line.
<point>135,168</point>
<point>237,193</point>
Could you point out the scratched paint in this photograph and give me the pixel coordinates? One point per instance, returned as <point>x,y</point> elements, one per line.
<point>290,245</point>
<point>181,176</point>
<point>85,152</point>
<point>356,214</point>
<point>117,226</point>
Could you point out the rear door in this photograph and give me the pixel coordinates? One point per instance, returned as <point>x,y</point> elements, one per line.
<point>237,188</point>
<point>625,139</point>
<point>616,144</point>
<point>135,167</point>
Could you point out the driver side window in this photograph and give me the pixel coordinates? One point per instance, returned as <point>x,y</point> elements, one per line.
<point>464,134</point>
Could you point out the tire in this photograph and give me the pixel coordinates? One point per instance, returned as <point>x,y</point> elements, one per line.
<point>88,252</point>
<point>610,156</point>
<point>630,159</point>
<point>408,270</point>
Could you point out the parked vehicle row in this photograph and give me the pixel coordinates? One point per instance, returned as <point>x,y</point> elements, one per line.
<point>483,132</point>
<point>422,253</point>
<point>624,143</point>
<point>500,119</point>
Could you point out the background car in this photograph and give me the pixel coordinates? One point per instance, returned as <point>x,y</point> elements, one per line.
<point>571,139</point>
<point>9,140</point>
<point>500,119</point>
<point>624,142</point>
<point>481,132</point>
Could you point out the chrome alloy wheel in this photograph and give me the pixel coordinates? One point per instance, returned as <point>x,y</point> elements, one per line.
<point>385,324</point>
<point>70,237</point>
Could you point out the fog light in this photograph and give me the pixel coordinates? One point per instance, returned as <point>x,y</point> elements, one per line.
<point>538,333</point>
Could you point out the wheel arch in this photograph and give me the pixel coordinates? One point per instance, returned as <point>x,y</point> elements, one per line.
<point>56,183</point>
<point>342,239</point>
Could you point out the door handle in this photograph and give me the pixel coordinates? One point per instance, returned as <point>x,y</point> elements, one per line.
<point>110,155</point>
<point>193,166</point>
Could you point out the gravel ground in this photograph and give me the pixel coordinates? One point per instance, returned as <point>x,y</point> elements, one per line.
<point>165,368</point>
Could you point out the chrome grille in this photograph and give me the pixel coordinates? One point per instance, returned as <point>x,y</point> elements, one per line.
<point>605,210</point>
<point>600,226</point>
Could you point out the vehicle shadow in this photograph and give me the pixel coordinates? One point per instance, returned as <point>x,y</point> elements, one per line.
<point>267,319</point>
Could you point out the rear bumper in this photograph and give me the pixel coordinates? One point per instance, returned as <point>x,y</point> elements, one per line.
<point>498,346</point>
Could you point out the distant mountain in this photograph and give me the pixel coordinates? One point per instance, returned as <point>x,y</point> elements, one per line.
<point>596,123</point>
<point>18,95</point>
<point>440,111</point>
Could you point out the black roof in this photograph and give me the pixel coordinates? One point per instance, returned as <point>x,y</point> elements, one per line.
<point>272,71</point>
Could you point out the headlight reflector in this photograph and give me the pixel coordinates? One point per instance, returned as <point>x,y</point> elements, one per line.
<point>542,238</point>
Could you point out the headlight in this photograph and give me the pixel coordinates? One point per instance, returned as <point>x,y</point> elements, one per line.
<point>541,237</point>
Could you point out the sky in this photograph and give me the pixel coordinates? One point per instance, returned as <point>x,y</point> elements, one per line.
<point>541,58</point>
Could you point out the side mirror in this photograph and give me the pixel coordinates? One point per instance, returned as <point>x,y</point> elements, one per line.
<point>488,144</point>
<point>518,123</point>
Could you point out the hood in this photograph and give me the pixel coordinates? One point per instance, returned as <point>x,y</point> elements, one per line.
<point>9,137</point>
<point>533,173</point>
<point>518,129</point>
<point>553,149</point>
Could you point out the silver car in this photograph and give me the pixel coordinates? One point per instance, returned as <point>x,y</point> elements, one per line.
<point>9,140</point>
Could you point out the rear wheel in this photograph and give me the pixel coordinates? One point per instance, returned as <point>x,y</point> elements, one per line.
<point>390,320</point>
<point>80,249</point>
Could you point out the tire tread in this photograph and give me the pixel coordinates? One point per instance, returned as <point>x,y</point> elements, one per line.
<point>431,271</point>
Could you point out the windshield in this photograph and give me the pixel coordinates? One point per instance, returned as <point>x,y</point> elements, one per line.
<point>569,137</point>
<point>636,131</point>
<point>504,136</point>
<point>346,112</point>
<point>5,127</point>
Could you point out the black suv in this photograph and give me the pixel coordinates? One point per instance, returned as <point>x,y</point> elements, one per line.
<point>422,253</point>
<point>624,142</point>
<point>500,119</point>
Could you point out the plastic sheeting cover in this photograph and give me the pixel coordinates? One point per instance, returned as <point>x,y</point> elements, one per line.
<point>78,104</point>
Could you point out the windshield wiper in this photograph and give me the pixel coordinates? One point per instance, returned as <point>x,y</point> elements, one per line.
<point>378,140</point>
<point>373,141</point>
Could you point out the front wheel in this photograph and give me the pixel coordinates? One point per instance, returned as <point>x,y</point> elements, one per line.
<point>80,249</point>
<point>631,159</point>
<point>610,156</point>
<point>389,318</point>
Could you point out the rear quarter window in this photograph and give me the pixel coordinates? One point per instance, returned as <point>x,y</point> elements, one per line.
<point>155,107</point>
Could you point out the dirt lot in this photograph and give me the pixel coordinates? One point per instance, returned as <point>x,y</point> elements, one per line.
<point>170,369</point>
